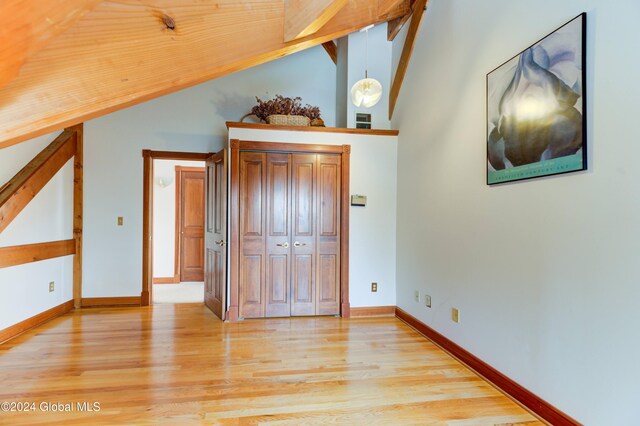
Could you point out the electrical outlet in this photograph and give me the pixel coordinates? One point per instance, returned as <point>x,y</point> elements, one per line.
<point>427,300</point>
<point>374,287</point>
<point>52,286</point>
<point>120,221</point>
<point>455,315</point>
<point>416,296</point>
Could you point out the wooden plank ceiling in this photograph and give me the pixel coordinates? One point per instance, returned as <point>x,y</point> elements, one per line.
<point>68,61</point>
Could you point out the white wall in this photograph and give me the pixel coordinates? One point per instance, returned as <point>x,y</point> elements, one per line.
<point>190,120</point>
<point>372,233</point>
<point>164,215</point>
<point>546,272</point>
<point>378,64</point>
<point>24,289</point>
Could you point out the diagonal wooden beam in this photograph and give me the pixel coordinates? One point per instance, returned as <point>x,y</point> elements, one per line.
<point>332,51</point>
<point>30,25</point>
<point>305,17</point>
<point>407,49</point>
<point>25,185</point>
<point>395,25</point>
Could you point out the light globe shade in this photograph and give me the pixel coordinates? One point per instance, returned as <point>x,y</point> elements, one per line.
<point>366,92</point>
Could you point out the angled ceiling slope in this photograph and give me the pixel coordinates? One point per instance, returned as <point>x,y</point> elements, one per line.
<point>62,65</point>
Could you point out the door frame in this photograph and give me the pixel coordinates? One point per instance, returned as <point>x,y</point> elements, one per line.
<point>147,212</point>
<point>236,147</point>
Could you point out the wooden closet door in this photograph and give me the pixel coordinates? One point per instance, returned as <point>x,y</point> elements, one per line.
<point>303,262</point>
<point>328,228</point>
<point>251,288</point>
<point>278,241</point>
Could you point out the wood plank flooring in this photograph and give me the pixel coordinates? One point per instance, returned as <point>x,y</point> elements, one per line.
<point>177,364</point>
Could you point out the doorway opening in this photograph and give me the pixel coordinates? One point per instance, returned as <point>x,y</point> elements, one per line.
<point>178,212</point>
<point>160,270</point>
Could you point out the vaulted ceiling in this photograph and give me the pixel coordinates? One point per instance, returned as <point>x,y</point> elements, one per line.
<point>66,61</point>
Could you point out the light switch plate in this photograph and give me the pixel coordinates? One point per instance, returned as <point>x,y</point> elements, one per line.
<point>427,300</point>
<point>455,315</point>
<point>359,200</point>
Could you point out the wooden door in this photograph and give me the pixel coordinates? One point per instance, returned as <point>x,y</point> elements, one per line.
<point>289,240</point>
<point>328,228</point>
<point>191,224</point>
<point>215,288</point>
<point>303,269</point>
<point>278,238</point>
<point>251,289</point>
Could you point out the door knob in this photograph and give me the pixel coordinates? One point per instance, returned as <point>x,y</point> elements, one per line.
<point>285,245</point>
<point>221,243</point>
<point>297,244</point>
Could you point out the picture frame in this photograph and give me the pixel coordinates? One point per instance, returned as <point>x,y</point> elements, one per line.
<point>536,108</point>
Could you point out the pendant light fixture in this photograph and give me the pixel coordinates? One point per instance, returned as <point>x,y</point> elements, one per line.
<point>368,91</point>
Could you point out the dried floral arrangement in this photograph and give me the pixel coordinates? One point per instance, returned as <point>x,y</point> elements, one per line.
<point>281,105</point>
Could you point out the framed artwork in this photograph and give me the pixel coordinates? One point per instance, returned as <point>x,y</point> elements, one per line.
<point>536,116</point>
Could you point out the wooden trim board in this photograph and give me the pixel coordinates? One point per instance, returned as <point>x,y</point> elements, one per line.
<point>100,302</point>
<point>19,255</point>
<point>34,321</point>
<point>533,402</point>
<point>167,280</point>
<point>262,126</point>
<point>373,311</point>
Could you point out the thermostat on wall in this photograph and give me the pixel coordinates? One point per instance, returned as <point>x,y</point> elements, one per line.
<point>359,200</point>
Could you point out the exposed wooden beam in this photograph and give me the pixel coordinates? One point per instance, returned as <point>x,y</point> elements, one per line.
<point>78,185</point>
<point>25,185</point>
<point>332,51</point>
<point>28,25</point>
<point>19,255</point>
<point>407,49</point>
<point>147,229</point>
<point>122,53</point>
<point>388,6</point>
<point>305,17</point>
<point>395,25</point>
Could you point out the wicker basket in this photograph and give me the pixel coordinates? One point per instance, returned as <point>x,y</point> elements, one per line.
<point>288,120</point>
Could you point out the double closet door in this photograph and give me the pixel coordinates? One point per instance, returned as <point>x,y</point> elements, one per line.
<point>289,234</point>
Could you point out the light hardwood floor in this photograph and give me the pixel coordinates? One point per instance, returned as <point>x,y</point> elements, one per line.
<point>177,364</point>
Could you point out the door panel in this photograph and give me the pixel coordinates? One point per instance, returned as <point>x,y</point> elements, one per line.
<point>328,250</point>
<point>216,234</point>
<point>303,276</point>
<point>329,197</point>
<point>252,290</point>
<point>278,239</point>
<point>192,226</point>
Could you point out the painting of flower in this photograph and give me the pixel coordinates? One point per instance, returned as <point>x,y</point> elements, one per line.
<point>536,109</point>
